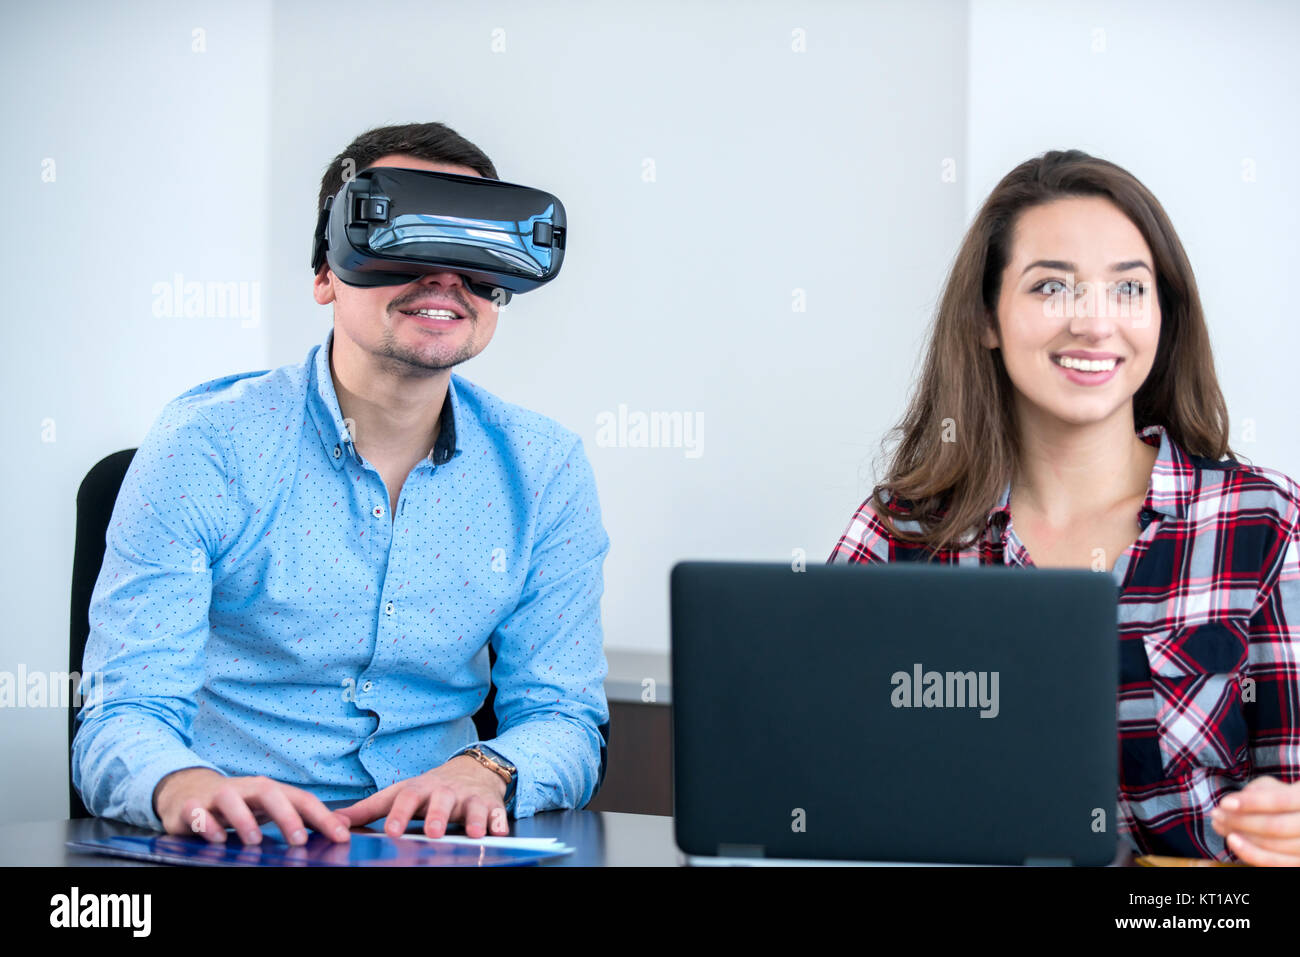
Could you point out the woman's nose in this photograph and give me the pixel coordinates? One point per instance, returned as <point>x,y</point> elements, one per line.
<point>1094,310</point>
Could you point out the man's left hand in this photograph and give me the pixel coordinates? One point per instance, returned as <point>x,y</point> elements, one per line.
<point>460,790</point>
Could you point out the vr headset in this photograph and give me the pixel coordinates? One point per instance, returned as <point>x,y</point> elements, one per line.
<point>387,226</point>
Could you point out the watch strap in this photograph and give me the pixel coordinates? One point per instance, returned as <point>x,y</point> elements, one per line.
<point>498,765</point>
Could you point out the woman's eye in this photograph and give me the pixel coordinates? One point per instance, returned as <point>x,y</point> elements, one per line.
<point>1050,287</point>
<point>1131,288</point>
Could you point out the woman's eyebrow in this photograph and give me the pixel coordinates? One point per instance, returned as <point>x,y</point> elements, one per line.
<point>1050,264</point>
<point>1131,264</point>
<point>1072,267</point>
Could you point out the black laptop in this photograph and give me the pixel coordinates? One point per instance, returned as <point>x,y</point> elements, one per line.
<point>894,713</point>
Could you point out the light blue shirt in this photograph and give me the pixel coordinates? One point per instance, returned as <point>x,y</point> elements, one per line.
<point>260,612</point>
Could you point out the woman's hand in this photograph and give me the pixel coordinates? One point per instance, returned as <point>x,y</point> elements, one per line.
<point>1261,822</point>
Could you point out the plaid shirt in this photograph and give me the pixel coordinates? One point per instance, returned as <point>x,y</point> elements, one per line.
<point>1209,637</point>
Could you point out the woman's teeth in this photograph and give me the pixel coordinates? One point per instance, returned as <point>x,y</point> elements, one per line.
<point>1085,365</point>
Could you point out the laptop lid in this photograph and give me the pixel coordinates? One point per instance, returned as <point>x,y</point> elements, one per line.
<point>896,712</point>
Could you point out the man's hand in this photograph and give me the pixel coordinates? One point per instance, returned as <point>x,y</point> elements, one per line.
<point>202,801</point>
<point>460,790</point>
<point>1261,822</point>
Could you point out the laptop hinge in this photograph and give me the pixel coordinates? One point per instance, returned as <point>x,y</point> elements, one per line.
<point>740,850</point>
<point>1048,862</point>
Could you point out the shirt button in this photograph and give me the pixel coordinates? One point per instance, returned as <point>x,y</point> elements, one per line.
<point>367,686</point>
<point>337,451</point>
<point>378,511</point>
<point>388,609</point>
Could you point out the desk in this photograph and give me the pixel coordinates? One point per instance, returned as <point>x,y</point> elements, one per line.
<point>601,839</point>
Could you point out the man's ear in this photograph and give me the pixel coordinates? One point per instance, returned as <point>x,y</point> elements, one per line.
<point>322,287</point>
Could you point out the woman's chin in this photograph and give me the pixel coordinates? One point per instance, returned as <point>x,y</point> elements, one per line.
<point>1077,411</point>
<point>1094,414</point>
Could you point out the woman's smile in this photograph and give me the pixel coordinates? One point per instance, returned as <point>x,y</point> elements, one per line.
<point>1087,369</point>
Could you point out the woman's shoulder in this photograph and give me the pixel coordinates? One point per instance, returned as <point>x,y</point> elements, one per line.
<point>869,538</point>
<point>1229,487</point>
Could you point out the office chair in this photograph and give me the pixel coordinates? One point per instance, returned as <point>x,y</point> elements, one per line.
<point>95,500</point>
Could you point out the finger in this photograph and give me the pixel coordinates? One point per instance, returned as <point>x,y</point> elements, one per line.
<point>497,821</point>
<point>1252,853</point>
<point>316,814</point>
<point>407,802</point>
<point>271,796</point>
<point>197,819</point>
<point>1263,796</point>
<point>369,809</point>
<point>1281,845</point>
<point>341,821</point>
<point>1276,825</point>
<point>1264,781</point>
<point>439,811</point>
<point>237,814</point>
<point>475,817</point>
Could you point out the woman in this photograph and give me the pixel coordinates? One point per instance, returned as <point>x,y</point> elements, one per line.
<point>1068,415</point>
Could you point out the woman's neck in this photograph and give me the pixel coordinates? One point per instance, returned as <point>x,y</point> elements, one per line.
<point>1068,471</point>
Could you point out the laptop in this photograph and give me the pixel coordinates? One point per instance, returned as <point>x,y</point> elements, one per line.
<point>903,712</point>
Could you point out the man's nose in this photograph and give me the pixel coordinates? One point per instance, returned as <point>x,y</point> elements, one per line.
<point>442,277</point>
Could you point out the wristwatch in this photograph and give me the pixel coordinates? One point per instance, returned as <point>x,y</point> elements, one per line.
<point>497,764</point>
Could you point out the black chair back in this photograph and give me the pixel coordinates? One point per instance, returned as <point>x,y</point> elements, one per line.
<point>95,500</point>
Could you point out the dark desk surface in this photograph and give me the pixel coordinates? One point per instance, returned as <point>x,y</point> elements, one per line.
<point>601,838</point>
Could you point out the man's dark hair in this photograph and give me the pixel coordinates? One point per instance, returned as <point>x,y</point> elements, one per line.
<point>427,141</point>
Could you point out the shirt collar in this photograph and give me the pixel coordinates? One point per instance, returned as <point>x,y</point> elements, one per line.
<point>323,403</point>
<point>1173,482</point>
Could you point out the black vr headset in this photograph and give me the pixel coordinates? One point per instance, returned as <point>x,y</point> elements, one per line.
<point>387,226</point>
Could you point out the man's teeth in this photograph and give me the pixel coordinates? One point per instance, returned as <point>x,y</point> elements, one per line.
<point>433,313</point>
<point>1085,365</point>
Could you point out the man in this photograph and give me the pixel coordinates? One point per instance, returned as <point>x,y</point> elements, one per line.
<point>305,567</point>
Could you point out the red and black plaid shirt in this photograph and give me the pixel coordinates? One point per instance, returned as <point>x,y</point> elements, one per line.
<point>1209,629</point>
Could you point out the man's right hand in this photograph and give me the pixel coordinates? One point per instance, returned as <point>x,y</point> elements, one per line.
<point>203,801</point>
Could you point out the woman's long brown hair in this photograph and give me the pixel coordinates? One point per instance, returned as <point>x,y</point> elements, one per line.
<point>948,487</point>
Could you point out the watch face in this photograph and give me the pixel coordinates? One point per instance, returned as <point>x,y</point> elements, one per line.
<point>499,760</point>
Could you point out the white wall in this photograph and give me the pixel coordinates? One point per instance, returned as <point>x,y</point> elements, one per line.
<point>775,171</point>
<point>160,157</point>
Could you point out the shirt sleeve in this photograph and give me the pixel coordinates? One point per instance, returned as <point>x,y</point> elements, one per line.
<point>550,666</point>
<point>143,665</point>
<point>1274,663</point>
